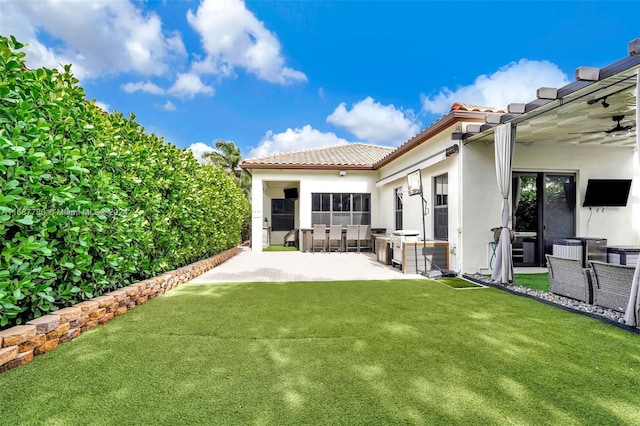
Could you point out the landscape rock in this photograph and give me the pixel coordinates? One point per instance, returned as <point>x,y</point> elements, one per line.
<point>16,335</point>
<point>45,323</point>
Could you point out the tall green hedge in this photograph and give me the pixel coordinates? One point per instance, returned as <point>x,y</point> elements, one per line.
<point>89,201</point>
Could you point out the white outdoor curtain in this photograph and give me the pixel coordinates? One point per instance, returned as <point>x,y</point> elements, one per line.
<point>633,307</point>
<point>505,140</point>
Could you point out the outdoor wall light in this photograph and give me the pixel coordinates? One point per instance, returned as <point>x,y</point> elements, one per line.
<point>343,173</point>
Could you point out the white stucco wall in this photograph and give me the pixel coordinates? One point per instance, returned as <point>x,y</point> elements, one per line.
<point>474,200</point>
<point>589,162</point>
<point>481,199</point>
<point>277,237</point>
<point>309,182</point>
<point>412,210</point>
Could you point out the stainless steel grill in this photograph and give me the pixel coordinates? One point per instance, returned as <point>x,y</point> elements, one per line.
<point>398,238</point>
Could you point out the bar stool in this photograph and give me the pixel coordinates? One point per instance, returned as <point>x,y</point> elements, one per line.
<point>319,234</point>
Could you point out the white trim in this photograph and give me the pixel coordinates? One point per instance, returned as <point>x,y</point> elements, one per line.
<point>427,162</point>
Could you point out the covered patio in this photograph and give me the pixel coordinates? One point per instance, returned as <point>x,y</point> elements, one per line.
<point>598,112</point>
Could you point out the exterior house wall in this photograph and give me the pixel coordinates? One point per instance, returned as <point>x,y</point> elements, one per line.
<point>277,237</point>
<point>309,181</point>
<point>394,175</point>
<point>257,210</point>
<point>474,201</point>
<point>589,162</point>
<point>481,199</point>
<point>481,204</point>
<point>355,181</point>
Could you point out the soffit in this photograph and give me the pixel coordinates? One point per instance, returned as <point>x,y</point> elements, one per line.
<point>578,116</point>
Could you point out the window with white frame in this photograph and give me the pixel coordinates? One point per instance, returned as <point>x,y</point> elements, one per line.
<point>398,192</point>
<point>341,208</point>
<point>441,207</point>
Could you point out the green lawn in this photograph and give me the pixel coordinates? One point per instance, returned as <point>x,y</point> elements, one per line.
<point>534,281</point>
<point>280,248</point>
<point>334,353</point>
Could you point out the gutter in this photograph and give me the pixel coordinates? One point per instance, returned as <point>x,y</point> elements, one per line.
<point>436,128</point>
<point>308,166</point>
<point>429,161</point>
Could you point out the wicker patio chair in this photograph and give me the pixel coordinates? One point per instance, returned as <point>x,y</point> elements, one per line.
<point>568,278</point>
<point>611,284</point>
<point>319,234</point>
<point>335,236</point>
<point>352,236</point>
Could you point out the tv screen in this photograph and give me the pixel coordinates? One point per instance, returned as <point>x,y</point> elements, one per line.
<point>607,193</point>
<point>291,193</point>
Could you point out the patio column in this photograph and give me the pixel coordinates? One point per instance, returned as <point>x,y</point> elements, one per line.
<point>633,307</point>
<point>257,213</point>
<point>505,138</point>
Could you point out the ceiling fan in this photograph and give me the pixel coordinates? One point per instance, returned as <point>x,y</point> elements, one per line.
<point>617,128</point>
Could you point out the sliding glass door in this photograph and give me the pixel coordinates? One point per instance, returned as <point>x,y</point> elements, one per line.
<point>559,209</point>
<point>543,213</point>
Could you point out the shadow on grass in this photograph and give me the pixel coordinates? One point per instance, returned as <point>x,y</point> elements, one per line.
<point>385,352</point>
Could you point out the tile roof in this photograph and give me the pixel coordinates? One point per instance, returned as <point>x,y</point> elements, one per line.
<point>350,156</point>
<point>363,156</point>
<point>459,112</point>
<point>459,106</point>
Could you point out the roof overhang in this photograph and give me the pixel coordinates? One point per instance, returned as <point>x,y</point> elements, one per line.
<point>306,167</point>
<point>580,113</point>
<point>439,126</point>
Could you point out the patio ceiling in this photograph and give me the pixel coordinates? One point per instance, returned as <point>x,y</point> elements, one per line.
<point>280,184</point>
<point>581,113</point>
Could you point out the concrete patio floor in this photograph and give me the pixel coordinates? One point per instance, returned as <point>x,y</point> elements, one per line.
<point>248,266</point>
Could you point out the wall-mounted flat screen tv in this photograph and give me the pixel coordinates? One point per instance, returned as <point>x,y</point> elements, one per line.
<point>291,193</point>
<point>607,193</point>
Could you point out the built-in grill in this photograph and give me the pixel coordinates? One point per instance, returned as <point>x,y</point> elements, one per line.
<point>398,238</point>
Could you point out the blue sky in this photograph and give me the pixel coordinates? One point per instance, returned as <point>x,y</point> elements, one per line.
<point>278,76</point>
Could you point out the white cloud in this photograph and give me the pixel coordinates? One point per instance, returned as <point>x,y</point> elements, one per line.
<point>233,37</point>
<point>198,149</point>
<point>376,123</point>
<point>515,82</point>
<point>147,87</point>
<point>295,140</point>
<point>98,38</point>
<point>169,106</point>
<point>102,106</point>
<point>188,85</point>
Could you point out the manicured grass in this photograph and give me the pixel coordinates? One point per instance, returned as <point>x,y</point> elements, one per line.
<point>534,281</point>
<point>457,282</point>
<point>334,353</point>
<point>280,248</point>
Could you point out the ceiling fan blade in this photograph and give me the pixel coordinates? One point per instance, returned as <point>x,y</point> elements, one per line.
<point>620,129</point>
<point>587,133</point>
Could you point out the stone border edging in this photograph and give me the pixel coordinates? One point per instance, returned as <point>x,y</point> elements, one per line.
<point>19,344</point>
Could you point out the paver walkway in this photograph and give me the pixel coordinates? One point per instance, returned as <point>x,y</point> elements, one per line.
<point>248,266</point>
